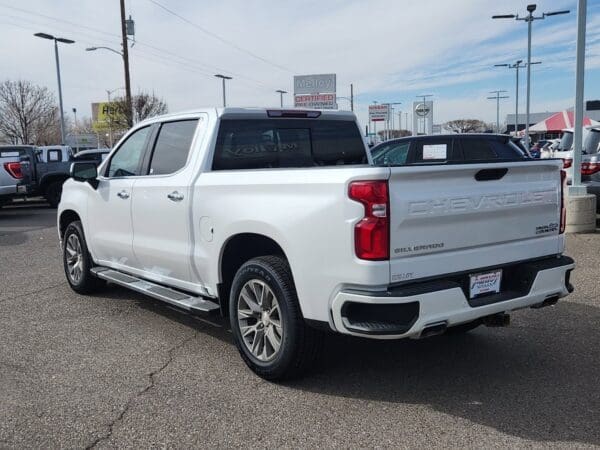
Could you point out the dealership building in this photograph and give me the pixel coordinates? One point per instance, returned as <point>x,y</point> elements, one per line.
<point>592,111</point>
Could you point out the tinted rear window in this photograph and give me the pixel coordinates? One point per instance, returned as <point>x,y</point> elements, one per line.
<point>274,143</point>
<point>477,150</point>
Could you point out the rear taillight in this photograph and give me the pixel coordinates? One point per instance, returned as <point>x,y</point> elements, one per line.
<point>14,169</point>
<point>563,208</point>
<point>567,162</point>
<point>589,168</point>
<point>372,233</point>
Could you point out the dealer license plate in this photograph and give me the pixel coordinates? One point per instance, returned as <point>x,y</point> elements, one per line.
<point>485,283</point>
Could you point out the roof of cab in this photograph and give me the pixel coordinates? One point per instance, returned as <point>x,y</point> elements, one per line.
<point>258,112</point>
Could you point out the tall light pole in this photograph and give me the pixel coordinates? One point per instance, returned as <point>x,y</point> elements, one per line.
<point>576,187</point>
<point>281,92</point>
<point>518,65</point>
<point>497,97</point>
<point>60,100</point>
<point>391,116</point>
<point>529,18</point>
<point>223,78</point>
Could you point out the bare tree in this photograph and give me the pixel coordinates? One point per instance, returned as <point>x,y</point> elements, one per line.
<point>28,113</point>
<point>466,126</point>
<point>144,105</point>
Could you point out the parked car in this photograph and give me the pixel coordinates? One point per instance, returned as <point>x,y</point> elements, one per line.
<point>54,153</point>
<point>447,148</point>
<point>98,155</point>
<point>12,181</point>
<point>277,220</point>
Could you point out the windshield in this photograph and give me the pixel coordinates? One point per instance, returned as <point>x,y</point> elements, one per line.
<point>566,141</point>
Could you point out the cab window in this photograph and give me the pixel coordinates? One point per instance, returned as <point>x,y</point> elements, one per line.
<point>172,147</point>
<point>127,159</point>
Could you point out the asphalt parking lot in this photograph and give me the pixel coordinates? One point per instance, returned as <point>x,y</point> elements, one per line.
<point>119,370</point>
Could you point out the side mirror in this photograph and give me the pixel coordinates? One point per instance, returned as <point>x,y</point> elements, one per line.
<point>85,171</point>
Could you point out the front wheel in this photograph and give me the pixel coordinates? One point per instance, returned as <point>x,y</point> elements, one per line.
<point>53,193</point>
<point>77,261</point>
<point>267,324</point>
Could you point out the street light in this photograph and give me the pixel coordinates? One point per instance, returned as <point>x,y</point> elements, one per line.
<point>281,92</point>
<point>390,115</point>
<point>60,100</point>
<point>127,80</point>
<point>91,49</point>
<point>497,97</point>
<point>529,18</point>
<point>516,66</point>
<point>223,77</point>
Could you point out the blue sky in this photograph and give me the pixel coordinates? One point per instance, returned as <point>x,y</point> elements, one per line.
<point>390,50</point>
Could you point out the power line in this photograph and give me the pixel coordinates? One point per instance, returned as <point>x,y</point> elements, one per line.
<point>219,38</point>
<point>144,44</point>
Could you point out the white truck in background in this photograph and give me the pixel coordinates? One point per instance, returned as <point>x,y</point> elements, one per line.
<point>276,219</point>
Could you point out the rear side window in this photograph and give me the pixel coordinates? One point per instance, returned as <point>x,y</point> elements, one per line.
<point>54,155</point>
<point>433,150</point>
<point>172,146</point>
<point>489,149</point>
<point>278,143</point>
<point>477,150</point>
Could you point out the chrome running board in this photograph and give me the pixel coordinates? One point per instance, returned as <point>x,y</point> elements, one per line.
<point>154,290</point>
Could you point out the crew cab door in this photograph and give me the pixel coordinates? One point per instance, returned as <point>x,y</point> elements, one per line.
<point>110,229</point>
<point>161,205</point>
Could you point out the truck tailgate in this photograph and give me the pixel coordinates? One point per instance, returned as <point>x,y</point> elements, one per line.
<point>452,218</point>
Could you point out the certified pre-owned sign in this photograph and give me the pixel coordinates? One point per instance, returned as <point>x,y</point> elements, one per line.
<point>314,84</point>
<point>316,101</point>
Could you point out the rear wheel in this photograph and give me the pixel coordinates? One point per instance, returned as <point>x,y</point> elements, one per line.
<point>77,261</point>
<point>53,193</point>
<point>269,330</point>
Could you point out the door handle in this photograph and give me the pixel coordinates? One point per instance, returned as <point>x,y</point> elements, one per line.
<point>175,196</point>
<point>123,194</point>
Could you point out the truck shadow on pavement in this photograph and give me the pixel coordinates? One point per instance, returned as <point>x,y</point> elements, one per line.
<point>537,379</point>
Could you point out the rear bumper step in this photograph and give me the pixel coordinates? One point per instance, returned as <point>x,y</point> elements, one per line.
<point>413,310</point>
<point>168,295</point>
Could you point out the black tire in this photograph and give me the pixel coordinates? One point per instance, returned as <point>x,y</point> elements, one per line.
<point>87,283</point>
<point>300,344</point>
<point>463,327</point>
<point>53,192</point>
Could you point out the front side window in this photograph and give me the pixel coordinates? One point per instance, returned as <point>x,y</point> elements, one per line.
<point>394,154</point>
<point>126,161</point>
<point>172,147</point>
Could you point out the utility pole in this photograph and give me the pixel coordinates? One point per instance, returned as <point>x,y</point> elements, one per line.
<point>351,97</point>
<point>497,98</point>
<point>126,66</point>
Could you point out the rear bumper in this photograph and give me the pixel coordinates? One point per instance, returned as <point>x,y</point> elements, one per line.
<point>407,310</point>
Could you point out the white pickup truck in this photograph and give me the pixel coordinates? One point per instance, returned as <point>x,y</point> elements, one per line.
<point>277,220</point>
